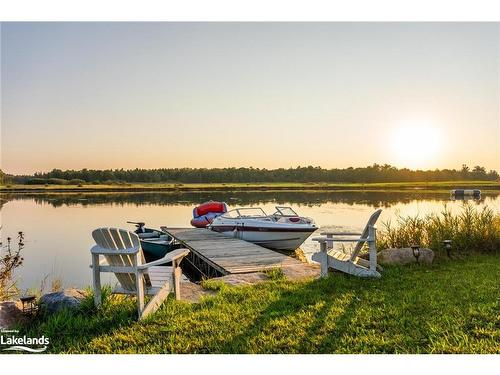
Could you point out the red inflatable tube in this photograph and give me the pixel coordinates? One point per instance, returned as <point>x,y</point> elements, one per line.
<point>205,208</point>
<point>200,222</point>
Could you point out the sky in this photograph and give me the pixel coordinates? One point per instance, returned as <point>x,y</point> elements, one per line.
<point>154,95</point>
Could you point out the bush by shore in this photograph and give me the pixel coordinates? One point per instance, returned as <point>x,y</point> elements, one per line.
<point>471,231</point>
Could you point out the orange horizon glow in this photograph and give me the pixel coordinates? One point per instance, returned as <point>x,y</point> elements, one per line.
<point>266,95</point>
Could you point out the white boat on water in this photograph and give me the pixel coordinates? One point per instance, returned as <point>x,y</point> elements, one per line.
<point>283,230</point>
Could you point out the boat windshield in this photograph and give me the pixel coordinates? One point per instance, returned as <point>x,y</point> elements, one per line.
<point>285,211</point>
<point>250,212</point>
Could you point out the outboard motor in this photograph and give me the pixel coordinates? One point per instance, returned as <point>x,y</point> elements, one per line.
<point>140,226</point>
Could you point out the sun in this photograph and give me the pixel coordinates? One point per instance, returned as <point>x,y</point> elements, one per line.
<point>415,144</point>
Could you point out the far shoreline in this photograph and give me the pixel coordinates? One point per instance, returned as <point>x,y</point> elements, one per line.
<point>262,186</point>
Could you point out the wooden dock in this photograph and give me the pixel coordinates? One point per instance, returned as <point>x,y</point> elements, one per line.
<point>215,255</point>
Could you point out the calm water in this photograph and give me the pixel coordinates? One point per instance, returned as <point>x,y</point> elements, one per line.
<point>58,226</point>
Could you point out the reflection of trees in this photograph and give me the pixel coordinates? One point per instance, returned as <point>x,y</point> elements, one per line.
<point>233,198</point>
<point>3,200</point>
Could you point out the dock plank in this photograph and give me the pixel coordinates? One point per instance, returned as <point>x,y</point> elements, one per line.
<point>229,255</point>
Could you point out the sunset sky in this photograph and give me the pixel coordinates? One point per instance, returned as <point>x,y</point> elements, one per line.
<point>150,95</point>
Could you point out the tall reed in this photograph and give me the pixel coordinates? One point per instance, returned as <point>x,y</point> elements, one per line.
<point>471,230</point>
<point>9,260</point>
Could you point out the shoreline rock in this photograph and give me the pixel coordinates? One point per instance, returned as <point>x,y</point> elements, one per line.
<point>10,314</point>
<point>405,256</point>
<point>68,298</point>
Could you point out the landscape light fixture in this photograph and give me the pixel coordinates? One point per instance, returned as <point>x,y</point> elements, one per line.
<point>416,252</point>
<point>447,246</point>
<point>29,306</point>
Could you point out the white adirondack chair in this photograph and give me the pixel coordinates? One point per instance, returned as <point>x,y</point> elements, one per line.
<point>350,264</point>
<point>124,257</point>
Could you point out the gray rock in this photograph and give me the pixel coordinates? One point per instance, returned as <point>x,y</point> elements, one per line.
<point>68,298</point>
<point>405,256</point>
<point>10,314</point>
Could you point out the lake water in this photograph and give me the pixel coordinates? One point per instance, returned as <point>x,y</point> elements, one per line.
<point>58,227</point>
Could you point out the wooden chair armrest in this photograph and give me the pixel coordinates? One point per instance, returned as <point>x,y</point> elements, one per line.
<point>347,239</point>
<point>325,239</point>
<point>170,257</point>
<point>320,239</point>
<point>340,234</point>
<point>179,254</point>
<point>102,263</point>
<point>101,251</point>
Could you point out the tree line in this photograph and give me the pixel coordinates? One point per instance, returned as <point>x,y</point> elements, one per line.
<point>372,173</point>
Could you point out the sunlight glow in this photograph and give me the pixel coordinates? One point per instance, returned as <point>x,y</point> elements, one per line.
<point>415,144</point>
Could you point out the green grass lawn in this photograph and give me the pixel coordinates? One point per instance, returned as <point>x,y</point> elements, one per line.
<point>450,307</point>
<point>440,185</point>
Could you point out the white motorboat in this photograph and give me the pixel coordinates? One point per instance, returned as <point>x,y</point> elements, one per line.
<point>283,230</point>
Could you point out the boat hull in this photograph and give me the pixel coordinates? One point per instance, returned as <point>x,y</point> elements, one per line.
<point>271,238</point>
<point>156,250</point>
<point>155,244</point>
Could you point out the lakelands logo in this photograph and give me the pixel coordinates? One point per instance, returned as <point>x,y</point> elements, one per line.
<point>23,343</point>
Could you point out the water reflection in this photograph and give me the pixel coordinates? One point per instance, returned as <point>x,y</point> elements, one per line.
<point>310,198</point>
<point>58,226</point>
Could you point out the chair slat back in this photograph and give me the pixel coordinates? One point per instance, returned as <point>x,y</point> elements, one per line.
<point>371,222</point>
<point>119,239</point>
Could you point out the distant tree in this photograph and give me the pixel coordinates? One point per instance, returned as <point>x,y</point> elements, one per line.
<point>465,171</point>
<point>493,175</point>
<point>4,178</point>
<point>373,173</point>
<point>478,173</point>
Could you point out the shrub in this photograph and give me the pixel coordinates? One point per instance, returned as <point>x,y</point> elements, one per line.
<point>111,182</point>
<point>57,181</point>
<point>472,230</point>
<point>76,181</point>
<point>36,181</point>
